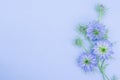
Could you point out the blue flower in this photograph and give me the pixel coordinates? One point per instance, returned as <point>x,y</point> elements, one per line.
<point>96,31</point>
<point>103,49</point>
<point>87,62</point>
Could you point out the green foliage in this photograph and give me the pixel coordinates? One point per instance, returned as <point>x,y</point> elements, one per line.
<point>82,29</point>
<point>100,9</point>
<point>78,42</point>
<point>106,35</point>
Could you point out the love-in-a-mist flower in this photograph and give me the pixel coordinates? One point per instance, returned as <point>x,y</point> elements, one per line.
<point>87,62</point>
<point>96,31</point>
<point>103,49</point>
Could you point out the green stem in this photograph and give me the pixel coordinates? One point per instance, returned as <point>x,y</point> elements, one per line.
<point>99,66</point>
<point>84,48</point>
<point>91,44</point>
<point>102,63</point>
<point>105,77</point>
<point>99,17</point>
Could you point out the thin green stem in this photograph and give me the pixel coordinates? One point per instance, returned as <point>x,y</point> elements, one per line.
<point>106,77</point>
<point>100,66</point>
<point>84,48</point>
<point>99,17</point>
<point>102,63</point>
<point>91,44</point>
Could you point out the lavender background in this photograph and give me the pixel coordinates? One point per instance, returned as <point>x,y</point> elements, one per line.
<point>36,38</point>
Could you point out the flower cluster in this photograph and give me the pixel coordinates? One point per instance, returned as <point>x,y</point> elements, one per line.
<point>99,51</point>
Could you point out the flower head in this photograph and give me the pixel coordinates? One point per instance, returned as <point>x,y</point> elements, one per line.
<point>103,49</point>
<point>96,31</point>
<point>87,61</point>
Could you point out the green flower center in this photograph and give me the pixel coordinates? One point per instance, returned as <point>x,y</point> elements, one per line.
<point>103,50</point>
<point>96,32</point>
<point>87,62</point>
